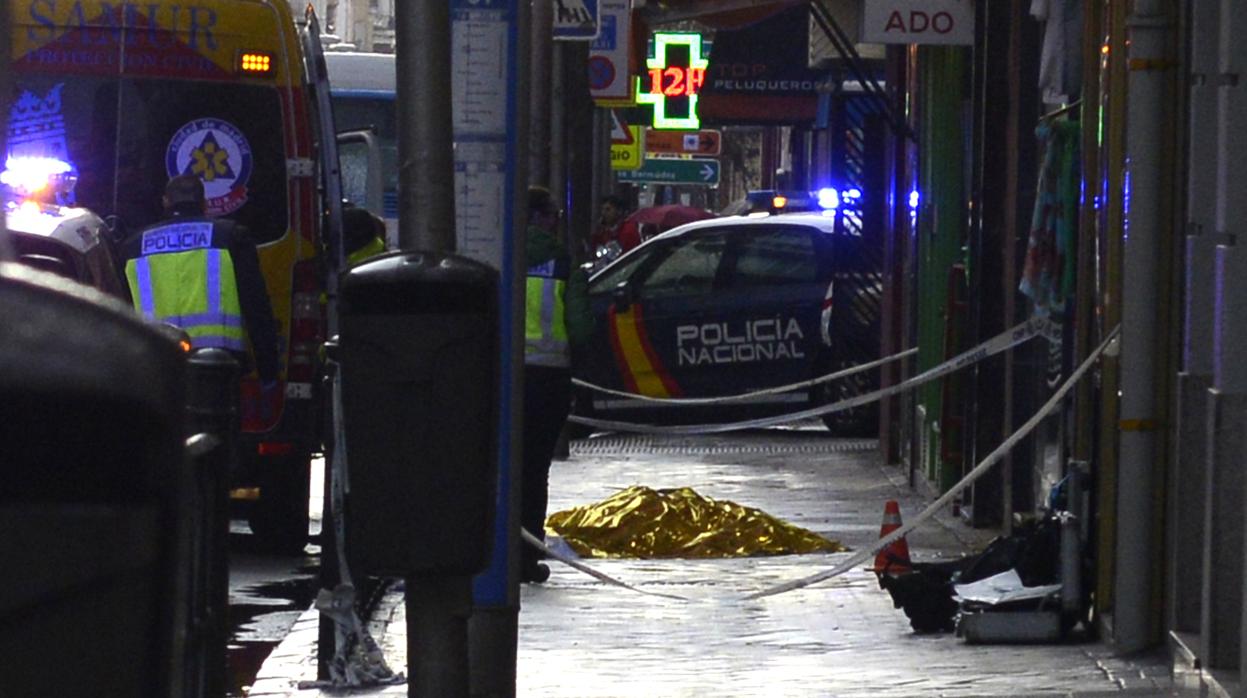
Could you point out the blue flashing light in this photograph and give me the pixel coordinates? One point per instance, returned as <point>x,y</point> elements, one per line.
<point>32,174</point>
<point>828,198</point>
<point>913,200</point>
<point>853,194</point>
<point>42,177</point>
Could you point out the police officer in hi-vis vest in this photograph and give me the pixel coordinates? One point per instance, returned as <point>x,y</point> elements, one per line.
<point>363,232</point>
<point>557,315</point>
<point>203,275</point>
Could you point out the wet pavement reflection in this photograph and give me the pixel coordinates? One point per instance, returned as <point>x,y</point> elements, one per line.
<point>267,595</point>
<point>579,637</point>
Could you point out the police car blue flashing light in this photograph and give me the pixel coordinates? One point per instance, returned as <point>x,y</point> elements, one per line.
<point>828,198</point>
<point>48,180</point>
<point>33,174</point>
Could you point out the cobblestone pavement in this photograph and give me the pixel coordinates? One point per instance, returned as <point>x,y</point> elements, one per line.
<point>582,638</point>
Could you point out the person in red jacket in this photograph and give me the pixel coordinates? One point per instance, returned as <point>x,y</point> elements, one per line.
<point>614,209</point>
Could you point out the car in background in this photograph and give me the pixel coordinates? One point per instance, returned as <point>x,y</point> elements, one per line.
<point>762,202</point>
<point>728,306</point>
<point>71,242</point>
<point>46,234</point>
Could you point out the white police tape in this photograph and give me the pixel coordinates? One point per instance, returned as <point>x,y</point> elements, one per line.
<point>1108,345</point>
<point>1034,327</point>
<point>978,471</point>
<point>744,397</point>
<point>576,564</point>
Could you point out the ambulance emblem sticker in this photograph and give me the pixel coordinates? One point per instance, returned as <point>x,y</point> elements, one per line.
<point>217,152</point>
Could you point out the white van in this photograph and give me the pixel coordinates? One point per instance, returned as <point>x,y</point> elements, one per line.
<point>362,89</point>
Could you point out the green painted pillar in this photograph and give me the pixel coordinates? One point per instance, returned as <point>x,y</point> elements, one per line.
<point>942,221</point>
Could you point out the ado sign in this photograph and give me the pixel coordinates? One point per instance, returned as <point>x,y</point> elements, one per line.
<point>918,22</point>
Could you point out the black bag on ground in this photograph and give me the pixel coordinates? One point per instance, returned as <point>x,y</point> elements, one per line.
<point>926,593</point>
<point>1034,550</point>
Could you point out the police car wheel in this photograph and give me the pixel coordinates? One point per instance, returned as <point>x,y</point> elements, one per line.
<point>859,422</point>
<point>862,421</point>
<point>279,520</point>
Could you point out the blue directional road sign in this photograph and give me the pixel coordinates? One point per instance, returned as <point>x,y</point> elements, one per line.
<point>673,171</point>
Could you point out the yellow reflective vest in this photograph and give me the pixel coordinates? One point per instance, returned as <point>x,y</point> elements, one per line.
<point>374,247</point>
<point>181,278</point>
<point>545,322</point>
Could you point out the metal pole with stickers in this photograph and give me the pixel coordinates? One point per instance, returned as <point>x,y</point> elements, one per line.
<point>430,351</point>
<point>491,39</point>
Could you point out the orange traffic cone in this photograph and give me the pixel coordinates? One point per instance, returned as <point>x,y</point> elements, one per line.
<point>894,559</point>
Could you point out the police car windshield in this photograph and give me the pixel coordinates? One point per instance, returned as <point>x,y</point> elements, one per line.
<point>127,137</point>
<point>612,276</point>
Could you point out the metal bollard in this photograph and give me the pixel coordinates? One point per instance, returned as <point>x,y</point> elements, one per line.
<point>1071,564</point>
<point>212,396</point>
<point>212,424</point>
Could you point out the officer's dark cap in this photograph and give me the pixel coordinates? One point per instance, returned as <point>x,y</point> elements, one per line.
<point>185,189</point>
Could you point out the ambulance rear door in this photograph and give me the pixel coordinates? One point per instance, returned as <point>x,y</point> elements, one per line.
<point>327,158</point>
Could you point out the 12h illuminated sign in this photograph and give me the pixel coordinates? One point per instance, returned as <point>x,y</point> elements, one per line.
<point>675,74</point>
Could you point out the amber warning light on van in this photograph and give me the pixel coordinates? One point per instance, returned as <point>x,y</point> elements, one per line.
<point>255,63</point>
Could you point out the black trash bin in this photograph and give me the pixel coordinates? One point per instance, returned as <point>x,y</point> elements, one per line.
<point>91,474</point>
<point>419,350</point>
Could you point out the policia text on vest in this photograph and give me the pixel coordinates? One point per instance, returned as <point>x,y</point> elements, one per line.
<point>203,276</point>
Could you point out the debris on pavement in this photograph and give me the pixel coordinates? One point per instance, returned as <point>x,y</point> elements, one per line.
<point>1014,574</point>
<point>1002,588</point>
<point>357,661</point>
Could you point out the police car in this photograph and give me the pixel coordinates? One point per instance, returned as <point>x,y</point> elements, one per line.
<point>728,306</point>
<point>773,201</point>
<point>63,239</point>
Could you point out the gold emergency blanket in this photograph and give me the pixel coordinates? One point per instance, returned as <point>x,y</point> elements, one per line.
<point>640,522</point>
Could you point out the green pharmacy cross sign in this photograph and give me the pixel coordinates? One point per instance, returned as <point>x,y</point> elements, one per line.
<point>672,80</point>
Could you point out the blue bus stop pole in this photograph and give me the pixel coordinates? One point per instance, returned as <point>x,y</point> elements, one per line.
<point>493,626</point>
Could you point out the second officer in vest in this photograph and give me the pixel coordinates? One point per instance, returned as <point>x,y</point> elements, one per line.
<point>363,232</point>
<point>203,275</point>
<point>557,315</point>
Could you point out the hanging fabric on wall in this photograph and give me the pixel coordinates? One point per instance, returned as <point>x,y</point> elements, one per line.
<point>1048,275</point>
<point>1060,58</point>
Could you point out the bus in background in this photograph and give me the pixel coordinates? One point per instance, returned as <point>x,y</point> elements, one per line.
<point>362,89</point>
<point>131,95</point>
